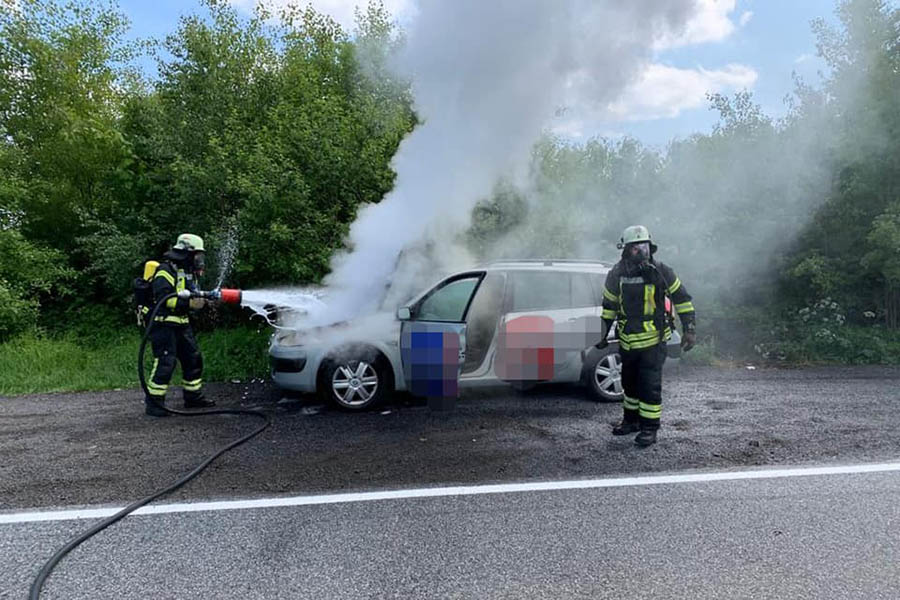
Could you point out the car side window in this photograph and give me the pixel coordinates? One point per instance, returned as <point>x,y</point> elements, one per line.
<point>449,302</point>
<point>488,301</point>
<point>540,290</point>
<point>599,282</point>
<point>582,291</point>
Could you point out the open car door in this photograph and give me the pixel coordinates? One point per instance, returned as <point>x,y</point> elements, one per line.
<point>433,336</point>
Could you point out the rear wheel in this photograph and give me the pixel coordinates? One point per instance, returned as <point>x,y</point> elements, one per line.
<point>604,377</point>
<point>357,383</point>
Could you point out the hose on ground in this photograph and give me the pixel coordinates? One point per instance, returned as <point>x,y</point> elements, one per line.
<point>48,567</point>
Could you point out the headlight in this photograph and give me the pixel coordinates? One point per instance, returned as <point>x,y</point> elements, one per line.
<point>288,338</point>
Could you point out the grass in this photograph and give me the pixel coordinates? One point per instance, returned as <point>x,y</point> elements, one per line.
<point>93,358</point>
<point>34,363</point>
<point>703,354</point>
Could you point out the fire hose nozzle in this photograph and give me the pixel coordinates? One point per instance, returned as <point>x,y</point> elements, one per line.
<point>229,296</point>
<point>226,295</point>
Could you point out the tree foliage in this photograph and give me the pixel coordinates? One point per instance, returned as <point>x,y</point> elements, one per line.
<point>274,129</point>
<point>270,129</point>
<point>852,239</point>
<point>763,214</point>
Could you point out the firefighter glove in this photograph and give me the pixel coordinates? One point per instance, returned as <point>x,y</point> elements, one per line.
<point>602,344</point>
<point>197,303</point>
<point>688,340</point>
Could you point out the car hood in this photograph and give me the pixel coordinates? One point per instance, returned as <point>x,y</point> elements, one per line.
<point>381,327</point>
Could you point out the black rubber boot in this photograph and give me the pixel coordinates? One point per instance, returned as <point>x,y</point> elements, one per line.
<point>626,427</point>
<point>155,408</point>
<point>198,402</point>
<point>647,437</point>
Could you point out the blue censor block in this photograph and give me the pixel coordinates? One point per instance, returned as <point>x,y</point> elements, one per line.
<point>431,360</point>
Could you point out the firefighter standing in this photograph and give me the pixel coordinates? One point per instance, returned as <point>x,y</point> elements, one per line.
<point>634,294</point>
<point>172,337</point>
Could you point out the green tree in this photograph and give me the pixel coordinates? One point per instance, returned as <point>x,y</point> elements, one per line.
<point>28,274</point>
<point>273,129</point>
<point>883,260</point>
<point>60,93</point>
<point>846,240</point>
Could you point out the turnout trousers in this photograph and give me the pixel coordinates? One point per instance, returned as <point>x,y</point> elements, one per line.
<point>642,383</point>
<point>171,343</point>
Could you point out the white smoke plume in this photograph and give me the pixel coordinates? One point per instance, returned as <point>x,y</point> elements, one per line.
<point>487,79</point>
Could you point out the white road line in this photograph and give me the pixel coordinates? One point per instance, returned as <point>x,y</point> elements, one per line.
<point>440,492</point>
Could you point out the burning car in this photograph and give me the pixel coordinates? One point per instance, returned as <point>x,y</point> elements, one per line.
<point>517,322</point>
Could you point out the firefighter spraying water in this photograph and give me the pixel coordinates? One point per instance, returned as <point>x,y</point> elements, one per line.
<point>165,297</point>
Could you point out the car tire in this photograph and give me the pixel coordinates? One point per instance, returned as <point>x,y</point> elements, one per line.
<point>603,376</point>
<point>355,382</point>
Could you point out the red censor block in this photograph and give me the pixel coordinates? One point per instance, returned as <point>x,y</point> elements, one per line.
<point>525,349</point>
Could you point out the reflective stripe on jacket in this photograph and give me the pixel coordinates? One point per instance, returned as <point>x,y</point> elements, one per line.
<point>637,300</point>
<point>169,279</point>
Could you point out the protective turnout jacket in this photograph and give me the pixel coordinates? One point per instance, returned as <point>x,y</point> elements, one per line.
<point>635,297</point>
<point>171,278</point>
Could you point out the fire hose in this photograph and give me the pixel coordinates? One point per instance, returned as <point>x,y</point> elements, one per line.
<point>230,296</point>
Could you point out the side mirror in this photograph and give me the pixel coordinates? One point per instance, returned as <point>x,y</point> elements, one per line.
<point>403,313</point>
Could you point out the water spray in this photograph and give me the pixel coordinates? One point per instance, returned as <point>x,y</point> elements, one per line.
<point>226,254</point>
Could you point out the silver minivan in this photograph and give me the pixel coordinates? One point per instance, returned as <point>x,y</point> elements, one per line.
<point>356,364</point>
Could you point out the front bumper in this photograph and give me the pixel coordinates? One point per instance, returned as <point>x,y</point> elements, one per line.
<point>291,369</point>
<point>287,365</point>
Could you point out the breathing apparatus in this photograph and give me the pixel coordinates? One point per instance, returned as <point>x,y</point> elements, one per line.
<point>638,253</point>
<point>637,246</point>
<point>196,263</point>
<point>637,250</point>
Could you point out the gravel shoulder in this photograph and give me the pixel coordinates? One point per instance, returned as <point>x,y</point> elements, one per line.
<point>95,448</point>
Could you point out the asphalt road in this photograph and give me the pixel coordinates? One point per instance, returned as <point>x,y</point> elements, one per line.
<point>836,532</point>
<point>69,449</point>
<point>786,538</point>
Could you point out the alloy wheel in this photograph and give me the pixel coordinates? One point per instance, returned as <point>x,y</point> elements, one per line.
<point>608,375</point>
<point>354,384</point>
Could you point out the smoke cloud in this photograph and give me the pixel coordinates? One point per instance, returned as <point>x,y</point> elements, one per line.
<point>723,207</point>
<point>487,79</point>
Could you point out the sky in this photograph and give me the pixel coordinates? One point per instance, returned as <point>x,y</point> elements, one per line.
<point>731,45</point>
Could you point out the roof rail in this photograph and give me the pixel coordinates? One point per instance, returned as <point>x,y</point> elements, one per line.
<point>547,261</point>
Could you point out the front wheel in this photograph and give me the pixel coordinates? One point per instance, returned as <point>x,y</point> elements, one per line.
<point>604,377</point>
<point>355,384</point>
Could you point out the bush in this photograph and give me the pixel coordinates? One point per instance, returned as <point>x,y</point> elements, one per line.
<point>27,272</point>
<point>703,354</point>
<point>240,353</point>
<point>820,334</point>
<point>16,313</point>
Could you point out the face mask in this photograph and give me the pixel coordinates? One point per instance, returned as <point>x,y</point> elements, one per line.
<point>199,263</point>
<point>638,253</point>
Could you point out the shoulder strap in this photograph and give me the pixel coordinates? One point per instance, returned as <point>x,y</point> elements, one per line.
<point>662,291</point>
